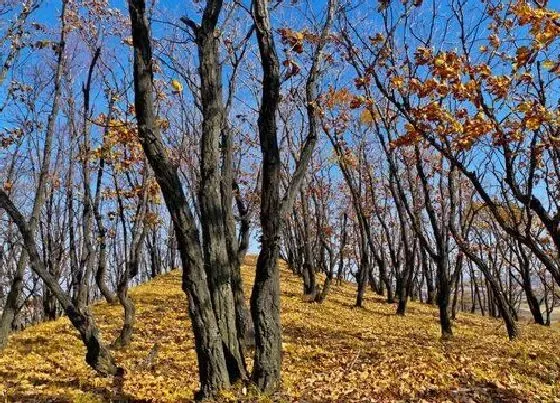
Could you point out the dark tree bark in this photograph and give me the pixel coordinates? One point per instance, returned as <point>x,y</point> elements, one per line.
<point>213,371</point>
<point>532,300</point>
<point>213,210</point>
<point>309,284</point>
<point>340,274</point>
<point>456,277</point>
<point>265,297</point>
<point>440,253</point>
<point>237,244</point>
<point>427,269</point>
<point>363,270</point>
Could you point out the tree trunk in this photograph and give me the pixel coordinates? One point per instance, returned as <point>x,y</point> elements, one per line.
<point>213,218</point>
<point>501,303</point>
<point>456,278</point>
<point>362,273</point>
<point>125,334</point>
<point>265,297</point>
<point>101,272</point>
<point>238,249</point>
<point>309,283</point>
<point>340,274</point>
<point>532,300</point>
<point>443,298</point>
<point>426,267</point>
<point>402,291</point>
<point>213,371</point>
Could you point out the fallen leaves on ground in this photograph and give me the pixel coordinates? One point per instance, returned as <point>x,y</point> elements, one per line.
<point>331,352</point>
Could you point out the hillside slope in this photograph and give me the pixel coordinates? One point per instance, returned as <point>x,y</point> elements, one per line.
<point>332,352</point>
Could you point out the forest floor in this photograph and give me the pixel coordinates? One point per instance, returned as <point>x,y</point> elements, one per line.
<point>331,352</point>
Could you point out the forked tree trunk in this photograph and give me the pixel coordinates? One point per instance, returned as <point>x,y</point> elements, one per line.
<point>213,217</point>
<point>125,335</point>
<point>132,264</point>
<point>88,251</point>
<point>213,371</point>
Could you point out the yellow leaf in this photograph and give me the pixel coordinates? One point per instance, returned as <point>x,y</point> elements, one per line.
<point>177,86</point>
<point>548,64</point>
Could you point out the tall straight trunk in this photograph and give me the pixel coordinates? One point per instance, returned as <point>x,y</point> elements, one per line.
<point>402,293</point>
<point>213,372</point>
<point>340,273</point>
<point>97,356</point>
<point>101,272</point>
<point>16,290</point>
<point>362,271</point>
<point>492,311</point>
<point>237,248</point>
<point>309,283</point>
<point>443,297</point>
<point>426,267</point>
<point>404,279</point>
<point>265,297</point>
<point>441,251</point>
<point>213,217</point>
<point>53,255</point>
<point>88,252</point>
<point>456,278</point>
<point>382,283</point>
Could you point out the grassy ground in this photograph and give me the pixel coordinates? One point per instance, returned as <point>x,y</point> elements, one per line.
<point>332,352</point>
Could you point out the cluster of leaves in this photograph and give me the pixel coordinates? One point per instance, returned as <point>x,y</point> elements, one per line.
<point>455,93</point>
<point>332,352</point>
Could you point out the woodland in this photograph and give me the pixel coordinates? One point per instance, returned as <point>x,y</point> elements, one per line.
<point>263,200</point>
